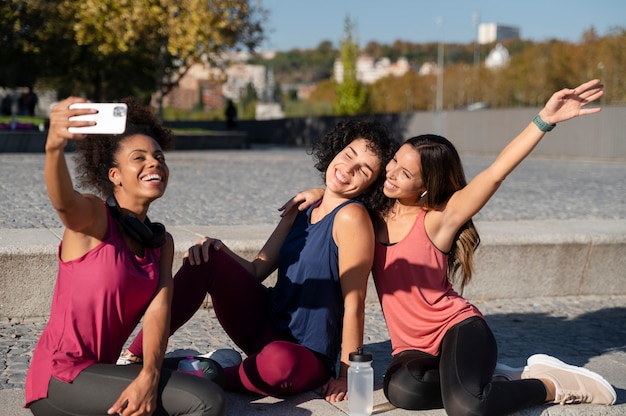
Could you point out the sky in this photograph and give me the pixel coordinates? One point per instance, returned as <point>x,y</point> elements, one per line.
<point>303,24</point>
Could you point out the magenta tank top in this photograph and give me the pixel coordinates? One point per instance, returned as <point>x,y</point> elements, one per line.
<point>98,301</point>
<point>418,301</point>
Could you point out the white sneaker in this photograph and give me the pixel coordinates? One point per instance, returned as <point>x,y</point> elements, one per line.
<point>509,373</point>
<point>128,357</point>
<point>573,384</point>
<point>182,352</point>
<point>226,357</point>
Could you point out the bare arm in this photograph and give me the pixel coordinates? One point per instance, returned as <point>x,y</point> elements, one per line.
<point>141,395</point>
<point>354,235</point>
<point>302,200</point>
<point>84,216</point>
<point>465,203</point>
<point>265,261</point>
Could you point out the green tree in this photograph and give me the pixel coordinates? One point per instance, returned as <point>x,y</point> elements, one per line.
<point>351,96</point>
<point>109,46</point>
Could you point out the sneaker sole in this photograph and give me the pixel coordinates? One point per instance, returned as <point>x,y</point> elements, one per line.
<point>510,373</point>
<point>226,357</point>
<point>550,361</point>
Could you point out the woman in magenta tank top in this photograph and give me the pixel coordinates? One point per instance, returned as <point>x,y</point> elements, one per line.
<point>115,269</point>
<point>444,353</point>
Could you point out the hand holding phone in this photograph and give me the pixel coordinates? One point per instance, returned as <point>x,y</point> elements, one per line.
<point>110,118</point>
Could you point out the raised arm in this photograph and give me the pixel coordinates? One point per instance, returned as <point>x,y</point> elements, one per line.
<point>82,215</point>
<point>465,203</point>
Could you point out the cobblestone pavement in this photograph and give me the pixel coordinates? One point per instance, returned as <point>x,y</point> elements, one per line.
<point>247,186</point>
<point>575,329</point>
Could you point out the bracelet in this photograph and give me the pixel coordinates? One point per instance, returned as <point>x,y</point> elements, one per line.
<point>543,126</point>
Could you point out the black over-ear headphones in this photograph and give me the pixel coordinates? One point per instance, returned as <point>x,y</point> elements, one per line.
<point>150,234</point>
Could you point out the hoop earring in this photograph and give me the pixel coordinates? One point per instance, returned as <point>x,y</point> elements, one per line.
<point>423,194</point>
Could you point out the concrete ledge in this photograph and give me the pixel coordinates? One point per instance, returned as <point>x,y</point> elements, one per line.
<point>515,260</point>
<point>549,258</point>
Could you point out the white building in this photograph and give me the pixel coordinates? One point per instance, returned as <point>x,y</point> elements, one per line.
<point>498,57</point>
<point>369,70</point>
<point>494,32</point>
<point>238,77</point>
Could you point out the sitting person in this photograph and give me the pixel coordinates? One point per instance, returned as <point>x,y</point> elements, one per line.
<point>115,268</point>
<point>293,332</point>
<point>444,353</point>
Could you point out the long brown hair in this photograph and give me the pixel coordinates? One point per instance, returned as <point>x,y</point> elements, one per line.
<point>442,176</point>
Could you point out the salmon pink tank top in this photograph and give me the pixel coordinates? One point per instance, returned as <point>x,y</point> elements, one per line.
<point>98,301</point>
<point>418,301</point>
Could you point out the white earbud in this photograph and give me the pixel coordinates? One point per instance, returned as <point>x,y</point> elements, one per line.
<point>423,194</point>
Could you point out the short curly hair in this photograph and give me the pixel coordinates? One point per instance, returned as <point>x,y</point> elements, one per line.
<point>95,154</point>
<point>380,141</point>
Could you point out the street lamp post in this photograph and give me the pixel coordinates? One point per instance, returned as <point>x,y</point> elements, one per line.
<point>476,18</point>
<point>439,101</point>
<point>603,79</point>
<point>439,97</point>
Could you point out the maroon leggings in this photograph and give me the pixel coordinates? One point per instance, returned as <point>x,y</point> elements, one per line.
<point>276,364</point>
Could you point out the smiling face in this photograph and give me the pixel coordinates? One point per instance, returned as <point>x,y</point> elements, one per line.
<point>404,175</point>
<point>353,170</point>
<point>140,170</point>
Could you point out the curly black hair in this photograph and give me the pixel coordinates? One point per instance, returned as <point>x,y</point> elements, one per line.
<point>380,141</point>
<point>95,154</point>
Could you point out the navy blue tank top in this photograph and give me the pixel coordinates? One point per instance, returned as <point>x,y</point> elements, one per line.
<point>307,300</point>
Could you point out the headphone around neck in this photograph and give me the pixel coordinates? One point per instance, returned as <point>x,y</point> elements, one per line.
<point>150,234</point>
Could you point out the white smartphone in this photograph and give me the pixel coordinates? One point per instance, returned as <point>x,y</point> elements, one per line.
<point>110,119</point>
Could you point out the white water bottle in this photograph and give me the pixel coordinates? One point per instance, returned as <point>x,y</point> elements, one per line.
<point>360,383</point>
<point>190,366</point>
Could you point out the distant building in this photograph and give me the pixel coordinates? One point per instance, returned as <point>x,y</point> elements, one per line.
<point>369,70</point>
<point>239,75</point>
<point>200,86</point>
<point>494,32</point>
<point>498,57</point>
<point>428,68</point>
<point>268,107</point>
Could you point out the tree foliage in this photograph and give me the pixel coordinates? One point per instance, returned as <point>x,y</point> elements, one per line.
<point>351,98</point>
<point>536,69</point>
<point>302,66</point>
<point>102,48</point>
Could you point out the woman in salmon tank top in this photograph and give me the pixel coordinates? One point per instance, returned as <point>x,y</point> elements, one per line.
<point>444,355</point>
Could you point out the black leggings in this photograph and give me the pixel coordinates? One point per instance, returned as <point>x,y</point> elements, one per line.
<point>97,387</point>
<point>459,379</point>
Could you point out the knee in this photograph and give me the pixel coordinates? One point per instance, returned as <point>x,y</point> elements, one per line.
<point>214,403</point>
<point>407,390</point>
<point>282,360</point>
<point>280,368</point>
<point>217,406</point>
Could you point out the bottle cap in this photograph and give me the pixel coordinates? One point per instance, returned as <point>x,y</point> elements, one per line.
<point>360,356</point>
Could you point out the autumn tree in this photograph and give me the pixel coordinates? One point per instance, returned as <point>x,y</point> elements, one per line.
<point>116,45</point>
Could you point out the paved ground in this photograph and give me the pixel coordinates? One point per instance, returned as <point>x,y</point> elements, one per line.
<point>585,331</point>
<point>246,187</point>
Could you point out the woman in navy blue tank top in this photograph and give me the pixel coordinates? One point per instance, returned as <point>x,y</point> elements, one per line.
<point>293,332</point>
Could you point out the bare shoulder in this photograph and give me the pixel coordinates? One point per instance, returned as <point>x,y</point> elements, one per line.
<point>353,220</point>
<point>169,242</point>
<point>352,213</point>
